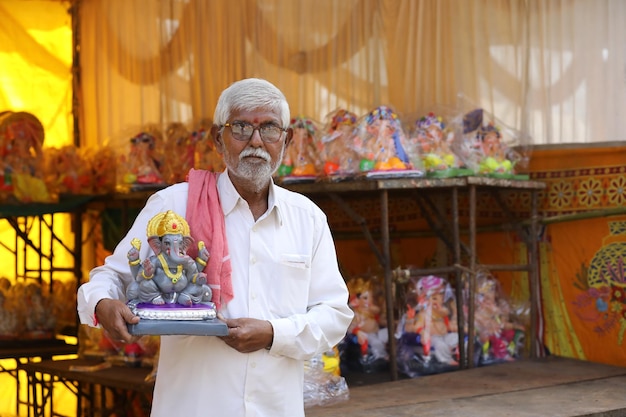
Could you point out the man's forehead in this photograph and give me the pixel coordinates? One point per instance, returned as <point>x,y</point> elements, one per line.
<point>260,113</point>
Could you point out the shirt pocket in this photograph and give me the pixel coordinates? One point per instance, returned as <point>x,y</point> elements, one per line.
<point>291,295</point>
<point>295,260</point>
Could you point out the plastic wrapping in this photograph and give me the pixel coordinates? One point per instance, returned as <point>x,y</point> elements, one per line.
<point>206,154</point>
<point>500,336</point>
<point>8,315</point>
<point>381,144</point>
<point>336,139</point>
<point>96,343</point>
<point>33,310</point>
<point>430,146</point>
<point>179,153</point>
<point>67,171</point>
<point>302,160</point>
<point>21,176</point>
<point>322,383</point>
<point>427,333</point>
<point>63,302</point>
<point>364,349</point>
<point>488,147</point>
<point>103,165</point>
<point>140,167</point>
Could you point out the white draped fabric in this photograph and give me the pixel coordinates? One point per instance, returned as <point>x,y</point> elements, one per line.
<point>552,69</point>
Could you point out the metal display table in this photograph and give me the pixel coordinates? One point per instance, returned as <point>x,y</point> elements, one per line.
<point>23,218</point>
<point>24,351</point>
<point>443,224</point>
<point>100,389</point>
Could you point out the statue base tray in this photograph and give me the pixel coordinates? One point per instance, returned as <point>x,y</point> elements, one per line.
<point>211,327</point>
<point>176,319</point>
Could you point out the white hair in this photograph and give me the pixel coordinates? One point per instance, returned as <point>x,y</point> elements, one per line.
<point>248,95</point>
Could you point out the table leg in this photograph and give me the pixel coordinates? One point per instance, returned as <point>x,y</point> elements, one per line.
<point>471,277</point>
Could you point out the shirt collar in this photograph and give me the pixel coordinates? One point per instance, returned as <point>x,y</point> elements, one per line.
<point>229,197</point>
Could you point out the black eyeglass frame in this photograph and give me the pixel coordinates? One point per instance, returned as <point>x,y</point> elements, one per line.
<point>259,128</point>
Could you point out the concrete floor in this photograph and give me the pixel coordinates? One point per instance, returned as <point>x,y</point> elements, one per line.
<point>552,386</point>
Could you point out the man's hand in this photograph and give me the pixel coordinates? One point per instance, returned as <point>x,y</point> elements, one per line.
<point>248,335</point>
<point>114,315</point>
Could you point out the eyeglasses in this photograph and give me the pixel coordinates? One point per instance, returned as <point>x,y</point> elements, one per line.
<point>270,133</point>
<point>141,138</point>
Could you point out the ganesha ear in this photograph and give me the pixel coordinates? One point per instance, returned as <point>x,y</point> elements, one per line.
<point>187,242</point>
<point>155,244</point>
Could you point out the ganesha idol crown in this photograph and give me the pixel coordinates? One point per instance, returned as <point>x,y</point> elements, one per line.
<point>167,223</point>
<point>429,120</point>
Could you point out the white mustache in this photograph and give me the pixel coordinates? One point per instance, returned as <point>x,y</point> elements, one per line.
<point>256,152</point>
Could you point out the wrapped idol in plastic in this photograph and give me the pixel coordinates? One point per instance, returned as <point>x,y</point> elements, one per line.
<point>323,383</point>
<point>336,139</point>
<point>427,333</point>
<point>430,144</point>
<point>380,142</point>
<point>364,348</point>
<point>500,336</point>
<point>141,167</point>
<point>102,162</point>
<point>489,147</point>
<point>206,155</point>
<point>179,153</point>
<point>21,159</point>
<point>8,316</point>
<point>67,171</point>
<point>301,161</point>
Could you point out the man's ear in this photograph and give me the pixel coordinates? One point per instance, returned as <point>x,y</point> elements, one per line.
<point>217,139</point>
<point>288,136</point>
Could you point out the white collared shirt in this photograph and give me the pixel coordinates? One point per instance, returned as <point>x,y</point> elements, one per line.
<point>284,270</point>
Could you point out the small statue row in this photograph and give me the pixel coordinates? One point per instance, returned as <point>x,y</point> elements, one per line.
<point>346,146</point>
<point>152,159</point>
<point>158,159</point>
<point>427,332</point>
<point>378,144</point>
<point>29,310</point>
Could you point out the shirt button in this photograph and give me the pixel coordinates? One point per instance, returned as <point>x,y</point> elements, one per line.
<point>253,365</point>
<point>253,260</point>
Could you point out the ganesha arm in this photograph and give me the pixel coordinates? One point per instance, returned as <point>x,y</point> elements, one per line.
<point>133,257</point>
<point>196,290</point>
<point>203,256</point>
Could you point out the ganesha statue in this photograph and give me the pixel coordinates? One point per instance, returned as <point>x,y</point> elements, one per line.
<point>339,156</point>
<point>380,141</point>
<point>169,284</point>
<point>301,160</point>
<point>428,339</point>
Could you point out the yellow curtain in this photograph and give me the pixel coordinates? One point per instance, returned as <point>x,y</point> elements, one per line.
<point>36,64</point>
<point>36,74</point>
<point>35,77</point>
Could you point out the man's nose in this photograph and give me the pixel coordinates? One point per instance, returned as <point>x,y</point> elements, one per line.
<point>255,139</point>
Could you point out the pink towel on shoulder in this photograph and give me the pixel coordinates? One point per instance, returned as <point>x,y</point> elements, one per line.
<point>206,222</point>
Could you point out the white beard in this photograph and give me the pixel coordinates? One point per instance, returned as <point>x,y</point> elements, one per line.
<point>256,173</point>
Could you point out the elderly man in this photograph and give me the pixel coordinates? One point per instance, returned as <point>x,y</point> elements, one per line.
<point>284,301</point>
